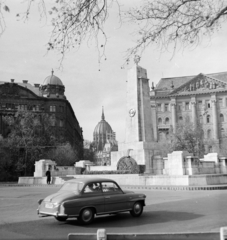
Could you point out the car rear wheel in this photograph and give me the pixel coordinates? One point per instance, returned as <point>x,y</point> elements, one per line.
<point>61,219</point>
<point>137,209</point>
<point>86,216</point>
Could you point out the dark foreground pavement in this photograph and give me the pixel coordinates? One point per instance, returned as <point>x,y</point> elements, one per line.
<point>166,211</point>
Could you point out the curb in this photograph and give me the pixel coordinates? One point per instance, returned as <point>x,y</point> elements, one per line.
<point>178,188</point>
<point>134,187</point>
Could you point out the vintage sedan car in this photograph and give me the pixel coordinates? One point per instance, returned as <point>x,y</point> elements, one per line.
<point>86,197</point>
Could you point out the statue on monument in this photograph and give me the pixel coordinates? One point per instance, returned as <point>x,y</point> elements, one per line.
<point>137,59</point>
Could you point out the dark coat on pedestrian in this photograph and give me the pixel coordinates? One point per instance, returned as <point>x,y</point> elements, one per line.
<point>48,175</point>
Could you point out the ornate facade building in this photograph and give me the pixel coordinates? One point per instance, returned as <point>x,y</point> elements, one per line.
<point>104,141</point>
<point>201,98</point>
<point>46,98</point>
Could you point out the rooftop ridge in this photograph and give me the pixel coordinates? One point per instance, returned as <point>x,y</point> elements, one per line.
<point>165,78</point>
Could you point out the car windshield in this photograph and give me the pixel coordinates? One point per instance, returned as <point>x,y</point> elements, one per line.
<point>72,186</point>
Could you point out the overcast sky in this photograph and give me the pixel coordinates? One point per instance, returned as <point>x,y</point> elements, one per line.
<point>23,57</point>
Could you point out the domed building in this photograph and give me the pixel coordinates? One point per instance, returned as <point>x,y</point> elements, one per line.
<point>53,87</point>
<point>47,98</point>
<point>104,141</point>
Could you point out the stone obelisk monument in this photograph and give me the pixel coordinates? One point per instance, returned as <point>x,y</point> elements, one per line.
<point>139,130</point>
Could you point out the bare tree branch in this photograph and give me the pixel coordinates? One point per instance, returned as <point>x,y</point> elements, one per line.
<point>171,23</point>
<point>166,24</point>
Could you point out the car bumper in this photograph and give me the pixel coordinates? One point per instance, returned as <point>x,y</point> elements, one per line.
<point>55,214</point>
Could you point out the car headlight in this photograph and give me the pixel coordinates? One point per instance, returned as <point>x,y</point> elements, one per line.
<point>51,205</point>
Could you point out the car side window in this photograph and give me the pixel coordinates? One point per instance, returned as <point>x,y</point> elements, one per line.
<point>92,188</point>
<point>110,187</point>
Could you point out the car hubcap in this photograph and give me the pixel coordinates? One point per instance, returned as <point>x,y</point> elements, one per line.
<point>137,208</point>
<point>87,215</point>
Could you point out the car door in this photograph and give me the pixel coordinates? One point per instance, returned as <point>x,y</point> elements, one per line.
<point>115,199</point>
<point>93,197</point>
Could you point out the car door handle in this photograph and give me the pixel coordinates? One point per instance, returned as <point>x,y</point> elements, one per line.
<point>107,197</point>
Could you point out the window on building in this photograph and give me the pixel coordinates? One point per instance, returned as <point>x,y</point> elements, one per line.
<point>23,107</point>
<point>166,107</point>
<point>180,106</point>
<point>159,107</point>
<point>208,118</point>
<point>201,118</point>
<point>167,120</point>
<point>52,108</point>
<point>159,121</point>
<point>9,106</point>
<point>187,106</point>
<point>53,122</point>
<point>207,103</point>
<point>223,132</point>
<point>220,102</point>
<point>221,117</point>
<point>200,104</point>
<point>208,133</point>
<point>61,123</point>
<point>180,119</point>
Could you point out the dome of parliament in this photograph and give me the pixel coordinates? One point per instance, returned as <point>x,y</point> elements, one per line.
<point>102,127</point>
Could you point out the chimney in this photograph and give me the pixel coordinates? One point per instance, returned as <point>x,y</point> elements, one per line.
<point>36,85</point>
<point>12,80</point>
<point>25,81</point>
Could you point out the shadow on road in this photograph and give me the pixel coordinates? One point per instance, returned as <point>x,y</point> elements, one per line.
<point>123,220</point>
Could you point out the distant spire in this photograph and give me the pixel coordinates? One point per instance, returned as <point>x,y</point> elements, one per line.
<point>103,117</point>
<point>52,71</point>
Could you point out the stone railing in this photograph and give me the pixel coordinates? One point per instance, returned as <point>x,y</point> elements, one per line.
<point>102,235</point>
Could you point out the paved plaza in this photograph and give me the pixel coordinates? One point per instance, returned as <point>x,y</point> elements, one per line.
<point>166,211</point>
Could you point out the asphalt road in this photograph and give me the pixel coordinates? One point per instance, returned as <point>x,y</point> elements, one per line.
<point>165,212</point>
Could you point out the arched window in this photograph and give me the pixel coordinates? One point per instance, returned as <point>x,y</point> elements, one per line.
<point>221,117</point>
<point>208,133</point>
<point>180,119</point>
<point>159,121</point>
<point>167,121</point>
<point>208,118</point>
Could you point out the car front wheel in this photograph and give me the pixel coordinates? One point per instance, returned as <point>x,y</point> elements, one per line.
<point>137,209</point>
<point>61,219</point>
<point>86,216</point>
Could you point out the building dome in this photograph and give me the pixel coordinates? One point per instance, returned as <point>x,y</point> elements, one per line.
<point>102,133</point>
<point>53,80</point>
<point>103,127</point>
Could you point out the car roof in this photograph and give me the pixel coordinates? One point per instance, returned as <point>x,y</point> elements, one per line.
<point>89,180</point>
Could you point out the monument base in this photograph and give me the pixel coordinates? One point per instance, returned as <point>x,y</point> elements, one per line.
<point>140,180</point>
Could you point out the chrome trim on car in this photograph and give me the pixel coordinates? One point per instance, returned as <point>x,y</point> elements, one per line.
<point>118,211</point>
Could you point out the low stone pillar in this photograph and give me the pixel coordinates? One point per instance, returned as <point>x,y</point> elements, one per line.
<point>211,157</point>
<point>40,169</point>
<point>176,162</point>
<point>191,165</point>
<point>223,164</point>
